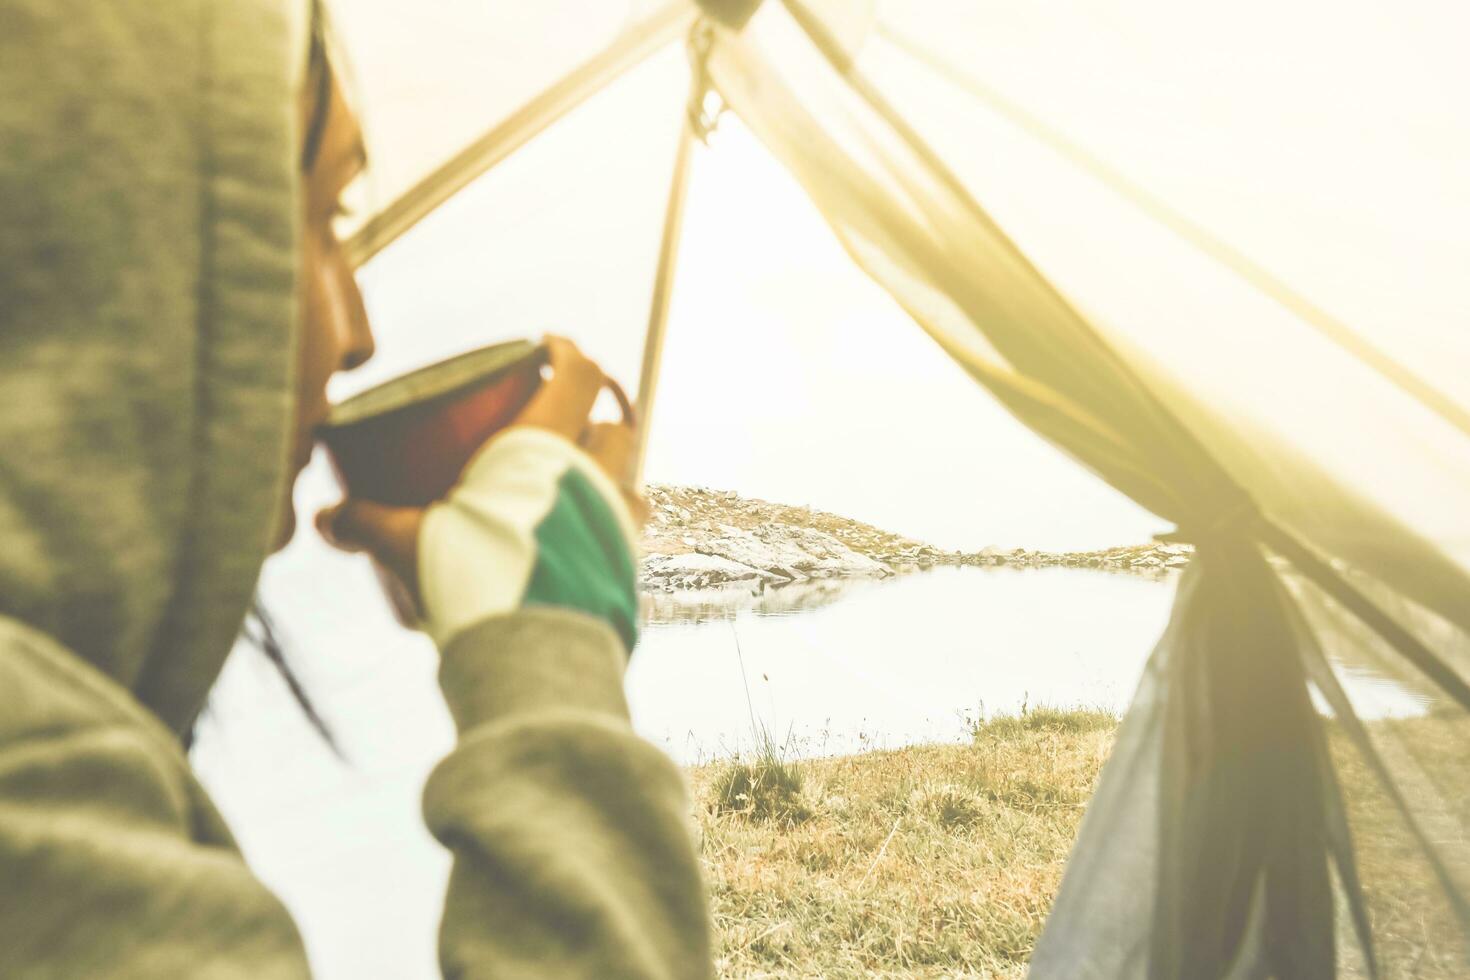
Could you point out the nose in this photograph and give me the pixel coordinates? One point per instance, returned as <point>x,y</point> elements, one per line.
<point>358,344</point>
<point>359,354</point>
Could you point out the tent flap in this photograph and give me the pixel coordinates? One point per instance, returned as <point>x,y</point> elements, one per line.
<point>1218,843</point>
<point>1230,287</point>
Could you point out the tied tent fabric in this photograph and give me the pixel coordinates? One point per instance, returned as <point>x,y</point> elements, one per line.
<point>1214,258</point>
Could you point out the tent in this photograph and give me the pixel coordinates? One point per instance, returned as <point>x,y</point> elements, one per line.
<point>1213,255</point>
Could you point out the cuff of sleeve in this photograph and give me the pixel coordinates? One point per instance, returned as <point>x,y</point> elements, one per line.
<point>533,660</point>
<point>547,444</point>
<point>478,548</point>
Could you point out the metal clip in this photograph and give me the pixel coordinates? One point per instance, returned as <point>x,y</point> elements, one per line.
<point>732,13</point>
<point>703,119</point>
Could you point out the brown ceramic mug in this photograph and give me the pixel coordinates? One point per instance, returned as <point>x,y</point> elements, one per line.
<point>404,443</point>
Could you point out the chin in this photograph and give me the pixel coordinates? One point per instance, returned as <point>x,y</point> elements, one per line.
<point>285,527</point>
<point>286,518</point>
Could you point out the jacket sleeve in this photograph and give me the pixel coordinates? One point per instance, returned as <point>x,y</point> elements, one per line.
<point>112,861</point>
<point>572,840</point>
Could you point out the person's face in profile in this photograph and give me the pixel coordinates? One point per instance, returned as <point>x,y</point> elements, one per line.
<point>334,334</point>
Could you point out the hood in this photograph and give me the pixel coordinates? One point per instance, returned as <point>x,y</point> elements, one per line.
<point>147,301</point>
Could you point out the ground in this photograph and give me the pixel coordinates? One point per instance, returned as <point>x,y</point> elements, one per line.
<point>930,861</point>
<point>943,860</point>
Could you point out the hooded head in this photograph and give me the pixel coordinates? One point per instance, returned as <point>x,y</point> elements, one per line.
<point>149,173</point>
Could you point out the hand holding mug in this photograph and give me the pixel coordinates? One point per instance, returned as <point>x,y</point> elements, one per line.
<point>560,406</point>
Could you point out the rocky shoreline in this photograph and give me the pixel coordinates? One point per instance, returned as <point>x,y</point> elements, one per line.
<point>699,538</point>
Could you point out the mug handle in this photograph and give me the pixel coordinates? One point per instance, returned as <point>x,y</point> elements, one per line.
<point>624,404</point>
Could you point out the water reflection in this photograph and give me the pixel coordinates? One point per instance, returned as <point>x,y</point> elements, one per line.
<point>1374,695</point>
<point>706,605</point>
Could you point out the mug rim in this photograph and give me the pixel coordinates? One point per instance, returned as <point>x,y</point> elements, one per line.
<point>431,382</point>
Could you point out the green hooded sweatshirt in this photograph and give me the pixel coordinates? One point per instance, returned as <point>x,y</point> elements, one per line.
<point>148,173</point>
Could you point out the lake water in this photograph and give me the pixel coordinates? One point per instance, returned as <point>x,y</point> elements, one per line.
<point>824,667</point>
<point>834,667</point>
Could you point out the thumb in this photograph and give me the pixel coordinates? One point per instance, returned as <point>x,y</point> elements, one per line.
<point>389,534</point>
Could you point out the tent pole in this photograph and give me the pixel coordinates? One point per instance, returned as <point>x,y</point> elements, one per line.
<point>663,285</point>
<point>519,127</point>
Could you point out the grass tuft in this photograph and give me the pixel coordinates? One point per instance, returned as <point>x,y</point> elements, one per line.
<point>1044,718</point>
<point>767,789</point>
<point>951,806</point>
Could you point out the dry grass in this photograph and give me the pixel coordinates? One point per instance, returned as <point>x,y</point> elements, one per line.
<point>1417,935</point>
<point>766,790</point>
<point>943,860</point>
<point>933,861</point>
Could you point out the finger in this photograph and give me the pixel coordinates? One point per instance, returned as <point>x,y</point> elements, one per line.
<point>564,400</point>
<point>389,534</point>
<point>324,520</point>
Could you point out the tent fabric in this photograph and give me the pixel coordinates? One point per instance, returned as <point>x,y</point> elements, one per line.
<point>455,88</point>
<point>1266,347</point>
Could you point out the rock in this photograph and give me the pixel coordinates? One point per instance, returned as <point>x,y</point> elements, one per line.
<point>697,571</point>
<point>792,552</point>
<point>778,543</point>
